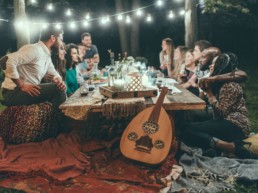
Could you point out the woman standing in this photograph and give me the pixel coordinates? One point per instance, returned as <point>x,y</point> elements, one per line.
<point>166,56</point>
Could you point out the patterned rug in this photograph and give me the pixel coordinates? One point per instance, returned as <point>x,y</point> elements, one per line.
<point>109,171</point>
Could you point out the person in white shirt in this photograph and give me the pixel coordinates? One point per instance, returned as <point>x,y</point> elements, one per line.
<point>25,70</point>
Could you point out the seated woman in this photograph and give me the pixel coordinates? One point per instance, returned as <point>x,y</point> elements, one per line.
<point>73,76</point>
<point>187,71</point>
<point>179,60</point>
<point>166,56</point>
<point>230,124</point>
<point>58,59</point>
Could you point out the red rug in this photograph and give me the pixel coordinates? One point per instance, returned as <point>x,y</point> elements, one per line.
<point>58,165</point>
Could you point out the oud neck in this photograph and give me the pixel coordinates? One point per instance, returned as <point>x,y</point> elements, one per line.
<point>156,110</point>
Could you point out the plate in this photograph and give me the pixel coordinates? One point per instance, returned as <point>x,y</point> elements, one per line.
<point>99,81</point>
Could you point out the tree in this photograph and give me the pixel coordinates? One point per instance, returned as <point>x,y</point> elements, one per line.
<point>191,30</point>
<point>22,31</point>
<point>129,37</point>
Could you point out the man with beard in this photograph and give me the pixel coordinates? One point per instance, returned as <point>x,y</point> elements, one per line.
<point>25,70</point>
<point>91,50</point>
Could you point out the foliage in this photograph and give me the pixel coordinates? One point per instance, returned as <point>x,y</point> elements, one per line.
<point>215,6</point>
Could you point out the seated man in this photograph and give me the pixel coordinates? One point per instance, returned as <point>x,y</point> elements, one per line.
<point>85,66</point>
<point>91,50</point>
<point>25,70</point>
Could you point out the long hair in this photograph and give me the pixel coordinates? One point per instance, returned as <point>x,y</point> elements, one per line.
<point>178,63</point>
<point>225,63</point>
<point>58,63</point>
<point>171,50</point>
<point>68,58</point>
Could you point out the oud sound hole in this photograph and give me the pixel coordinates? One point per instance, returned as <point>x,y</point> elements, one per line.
<point>132,136</point>
<point>150,127</point>
<point>159,144</point>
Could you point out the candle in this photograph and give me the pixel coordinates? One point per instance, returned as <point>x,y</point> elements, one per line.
<point>119,84</point>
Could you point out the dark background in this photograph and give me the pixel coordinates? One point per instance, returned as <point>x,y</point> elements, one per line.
<point>230,31</point>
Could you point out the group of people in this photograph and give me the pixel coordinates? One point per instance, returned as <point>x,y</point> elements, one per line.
<point>51,71</point>
<point>47,71</point>
<point>214,77</point>
<point>75,62</point>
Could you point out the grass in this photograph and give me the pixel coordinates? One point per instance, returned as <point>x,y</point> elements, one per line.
<point>1,106</point>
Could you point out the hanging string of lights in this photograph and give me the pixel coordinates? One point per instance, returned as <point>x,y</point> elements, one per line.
<point>120,17</point>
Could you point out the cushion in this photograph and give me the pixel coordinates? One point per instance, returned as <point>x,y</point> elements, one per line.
<point>23,124</point>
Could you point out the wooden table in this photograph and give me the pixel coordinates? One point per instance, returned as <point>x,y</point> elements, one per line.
<point>178,101</point>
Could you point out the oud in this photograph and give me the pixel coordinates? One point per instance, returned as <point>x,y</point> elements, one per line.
<point>148,136</point>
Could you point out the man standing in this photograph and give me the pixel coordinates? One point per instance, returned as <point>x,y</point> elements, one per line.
<point>91,50</point>
<point>25,70</point>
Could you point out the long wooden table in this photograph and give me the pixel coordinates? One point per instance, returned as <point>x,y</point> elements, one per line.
<point>173,102</point>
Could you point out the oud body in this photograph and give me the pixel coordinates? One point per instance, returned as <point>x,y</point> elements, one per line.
<point>148,136</point>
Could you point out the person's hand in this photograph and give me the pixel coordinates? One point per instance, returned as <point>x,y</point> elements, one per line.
<point>32,90</point>
<point>48,77</point>
<point>205,83</point>
<point>60,83</point>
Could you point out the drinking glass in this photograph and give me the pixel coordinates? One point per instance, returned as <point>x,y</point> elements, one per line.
<point>84,89</point>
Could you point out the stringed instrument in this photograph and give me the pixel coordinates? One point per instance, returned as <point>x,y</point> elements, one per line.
<point>148,136</point>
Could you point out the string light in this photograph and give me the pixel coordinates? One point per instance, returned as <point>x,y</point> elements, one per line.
<point>72,25</point>
<point>45,25</point>
<point>182,12</point>
<point>68,12</point>
<point>4,20</point>
<point>50,7</point>
<point>160,3</point>
<point>58,26</point>
<point>139,12</point>
<point>19,24</point>
<point>33,1</point>
<point>106,19</point>
<point>128,19</point>
<point>171,15</point>
<point>119,17</point>
<point>87,16</point>
<point>149,18</point>
<point>86,23</point>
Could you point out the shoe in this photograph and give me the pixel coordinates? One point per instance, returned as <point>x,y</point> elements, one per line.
<point>242,151</point>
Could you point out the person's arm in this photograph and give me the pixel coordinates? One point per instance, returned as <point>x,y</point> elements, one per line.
<point>24,56</point>
<point>68,90</point>
<point>238,76</point>
<point>227,98</point>
<point>162,63</point>
<point>190,82</point>
<point>51,71</point>
<point>96,57</point>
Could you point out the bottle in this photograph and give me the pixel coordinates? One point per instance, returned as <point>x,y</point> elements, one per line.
<point>119,57</point>
<point>125,56</point>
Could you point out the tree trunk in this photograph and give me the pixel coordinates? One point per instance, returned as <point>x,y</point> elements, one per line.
<point>191,27</point>
<point>122,28</point>
<point>22,31</point>
<point>135,29</point>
